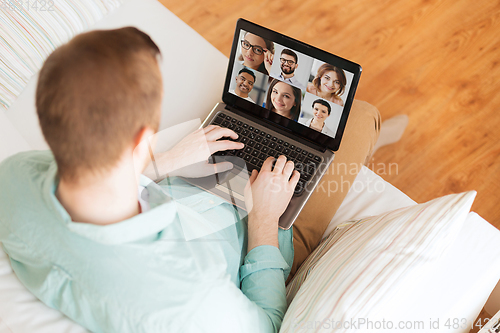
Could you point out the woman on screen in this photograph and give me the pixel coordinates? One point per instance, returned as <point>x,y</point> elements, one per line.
<point>329,83</point>
<point>283,99</point>
<point>257,53</point>
<point>321,111</point>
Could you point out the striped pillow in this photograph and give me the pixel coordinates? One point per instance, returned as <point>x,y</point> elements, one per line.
<point>31,29</point>
<point>361,263</point>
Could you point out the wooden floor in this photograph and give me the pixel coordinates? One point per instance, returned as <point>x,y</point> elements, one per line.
<point>438,61</point>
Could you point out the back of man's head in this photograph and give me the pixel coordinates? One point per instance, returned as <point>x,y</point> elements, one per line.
<point>94,95</point>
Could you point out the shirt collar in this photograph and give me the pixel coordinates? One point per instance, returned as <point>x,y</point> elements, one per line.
<point>290,79</point>
<point>161,214</point>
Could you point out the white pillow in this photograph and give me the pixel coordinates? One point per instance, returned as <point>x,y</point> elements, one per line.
<point>361,263</point>
<point>30,34</point>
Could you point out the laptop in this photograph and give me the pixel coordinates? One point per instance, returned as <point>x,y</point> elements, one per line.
<point>282,97</point>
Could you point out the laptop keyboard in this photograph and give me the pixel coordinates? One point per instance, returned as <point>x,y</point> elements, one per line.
<point>259,145</point>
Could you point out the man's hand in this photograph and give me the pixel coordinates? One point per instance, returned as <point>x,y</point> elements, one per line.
<point>189,158</point>
<point>267,195</point>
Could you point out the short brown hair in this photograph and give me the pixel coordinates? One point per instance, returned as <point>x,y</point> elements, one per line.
<point>94,94</point>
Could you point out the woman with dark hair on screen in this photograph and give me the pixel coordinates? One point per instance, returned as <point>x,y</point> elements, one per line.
<point>329,83</point>
<point>321,111</point>
<point>257,53</point>
<point>284,99</point>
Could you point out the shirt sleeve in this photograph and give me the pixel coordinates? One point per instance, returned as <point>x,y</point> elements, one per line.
<point>263,282</point>
<point>258,307</point>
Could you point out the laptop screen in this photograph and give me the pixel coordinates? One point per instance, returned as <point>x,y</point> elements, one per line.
<point>301,89</point>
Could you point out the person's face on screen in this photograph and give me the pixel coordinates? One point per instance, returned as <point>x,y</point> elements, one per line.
<point>288,64</point>
<point>330,82</point>
<point>244,82</point>
<point>250,58</point>
<point>320,112</point>
<point>282,97</point>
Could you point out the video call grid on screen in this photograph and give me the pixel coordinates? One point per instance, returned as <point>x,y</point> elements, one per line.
<point>322,88</point>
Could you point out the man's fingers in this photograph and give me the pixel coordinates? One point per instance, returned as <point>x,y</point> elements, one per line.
<point>213,132</point>
<point>280,163</point>
<point>288,169</point>
<point>253,176</point>
<point>209,128</point>
<point>215,146</point>
<point>268,164</point>
<point>295,178</point>
<point>219,132</point>
<point>251,179</point>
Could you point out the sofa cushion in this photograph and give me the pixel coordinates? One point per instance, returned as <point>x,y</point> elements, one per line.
<point>360,265</point>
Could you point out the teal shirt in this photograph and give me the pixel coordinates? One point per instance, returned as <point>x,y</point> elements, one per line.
<point>181,266</point>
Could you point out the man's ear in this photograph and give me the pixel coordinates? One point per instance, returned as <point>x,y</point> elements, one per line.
<point>143,134</point>
<point>141,148</point>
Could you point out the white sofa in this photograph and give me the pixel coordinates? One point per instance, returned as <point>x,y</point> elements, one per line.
<point>458,288</point>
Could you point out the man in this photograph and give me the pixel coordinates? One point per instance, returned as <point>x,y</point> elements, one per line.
<point>289,62</point>
<point>82,240</point>
<point>244,84</point>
